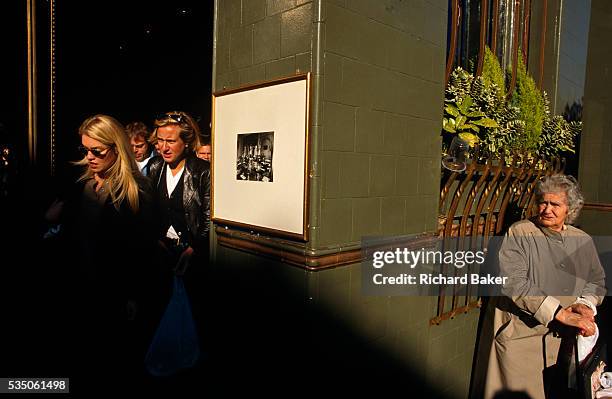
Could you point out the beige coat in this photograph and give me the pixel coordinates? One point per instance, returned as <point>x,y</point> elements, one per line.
<point>545,269</point>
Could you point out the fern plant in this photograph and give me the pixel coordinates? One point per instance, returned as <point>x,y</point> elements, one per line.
<point>477,109</point>
<point>463,115</point>
<point>503,140</point>
<point>530,103</point>
<point>558,134</point>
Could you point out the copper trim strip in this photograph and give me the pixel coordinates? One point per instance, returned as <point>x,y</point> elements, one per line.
<point>597,206</point>
<point>526,22</point>
<point>455,20</point>
<point>302,261</point>
<point>515,38</point>
<point>298,257</point>
<point>495,18</point>
<point>542,43</point>
<point>484,18</point>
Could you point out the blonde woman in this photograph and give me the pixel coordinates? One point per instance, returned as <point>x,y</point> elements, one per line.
<point>110,232</point>
<point>110,164</point>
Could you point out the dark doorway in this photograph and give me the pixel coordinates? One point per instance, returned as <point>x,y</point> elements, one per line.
<point>131,60</point>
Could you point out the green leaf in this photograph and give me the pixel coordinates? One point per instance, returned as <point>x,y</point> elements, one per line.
<point>452,110</point>
<point>485,122</point>
<point>469,126</point>
<point>460,120</point>
<point>448,125</point>
<point>475,114</point>
<point>466,104</point>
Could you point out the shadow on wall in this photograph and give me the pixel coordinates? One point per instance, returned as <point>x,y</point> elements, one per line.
<point>263,336</point>
<point>259,336</point>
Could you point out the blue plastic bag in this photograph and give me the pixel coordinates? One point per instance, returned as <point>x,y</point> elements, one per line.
<point>175,344</point>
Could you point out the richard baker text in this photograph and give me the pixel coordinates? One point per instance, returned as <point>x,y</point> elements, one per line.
<point>439,279</point>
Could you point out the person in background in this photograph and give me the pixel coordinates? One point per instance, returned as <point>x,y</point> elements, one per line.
<point>138,134</point>
<point>205,151</point>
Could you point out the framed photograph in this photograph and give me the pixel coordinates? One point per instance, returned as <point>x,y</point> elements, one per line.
<point>260,157</point>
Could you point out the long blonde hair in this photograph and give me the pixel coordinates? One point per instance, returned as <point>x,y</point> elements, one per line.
<point>120,177</point>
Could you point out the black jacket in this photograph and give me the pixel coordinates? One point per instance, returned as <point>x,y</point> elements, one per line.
<point>196,196</point>
<point>110,249</point>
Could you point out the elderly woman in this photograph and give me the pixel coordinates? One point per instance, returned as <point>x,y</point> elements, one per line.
<point>555,281</point>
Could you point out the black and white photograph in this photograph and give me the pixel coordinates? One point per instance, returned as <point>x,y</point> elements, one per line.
<point>254,156</point>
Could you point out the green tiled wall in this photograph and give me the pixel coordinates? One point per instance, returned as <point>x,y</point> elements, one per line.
<point>378,75</point>
<point>261,39</point>
<point>383,81</point>
<point>595,223</point>
<point>573,44</point>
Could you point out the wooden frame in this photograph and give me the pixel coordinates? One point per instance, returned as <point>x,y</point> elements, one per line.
<point>260,147</point>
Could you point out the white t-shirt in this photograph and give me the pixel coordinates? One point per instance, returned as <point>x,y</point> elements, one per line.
<point>171,182</point>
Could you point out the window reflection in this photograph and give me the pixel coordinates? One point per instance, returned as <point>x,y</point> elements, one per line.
<point>505,26</point>
<point>503,17</point>
<point>468,33</point>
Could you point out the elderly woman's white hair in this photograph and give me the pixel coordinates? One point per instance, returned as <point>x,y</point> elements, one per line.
<point>566,184</point>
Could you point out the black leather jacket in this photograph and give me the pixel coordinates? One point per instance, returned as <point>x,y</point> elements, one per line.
<point>196,196</point>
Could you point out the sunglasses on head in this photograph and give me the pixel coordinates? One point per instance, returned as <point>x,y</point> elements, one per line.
<point>170,117</point>
<point>96,152</point>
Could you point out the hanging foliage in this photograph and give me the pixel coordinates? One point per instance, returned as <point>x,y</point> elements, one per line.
<point>477,109</point>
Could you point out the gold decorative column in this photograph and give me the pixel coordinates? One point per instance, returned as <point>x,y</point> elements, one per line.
<point>31,80</point>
